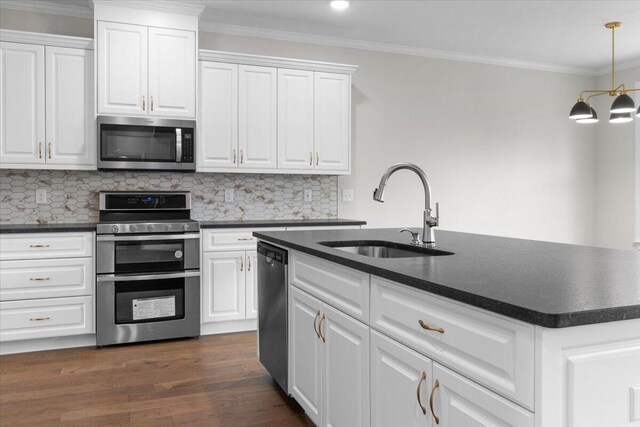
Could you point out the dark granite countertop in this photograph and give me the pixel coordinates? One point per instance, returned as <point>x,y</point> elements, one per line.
<point>548,284</point>
<point>45,228</point>
<point>281,223</point>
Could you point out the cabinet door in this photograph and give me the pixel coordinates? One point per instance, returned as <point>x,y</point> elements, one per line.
<point>218,124</point>
<point>305,352</point>
<point>70,120</point>
<point>400,384</point>
<point>332,113</point>
<point>122,69</point>
<point>345,374</point>
<point>257,117</point>
<point>295,119</point>
<point>251,292</point>
<point>21,104</point>
<point>172,73</point>
<point>459,401</point>
<point>223,286</point>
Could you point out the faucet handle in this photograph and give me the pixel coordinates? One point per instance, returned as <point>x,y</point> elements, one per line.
<point>431,220</point>
<point>415,237</point>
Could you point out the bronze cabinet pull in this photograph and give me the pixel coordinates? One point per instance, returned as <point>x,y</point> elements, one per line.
<point>152,103</point>
<point>235,157</point>
<point>37,319</point>
<point>317,158</point>
<point>241,156</point>
<point>320,328</point>
<point>38,246</point>
<point>315,328</point>
<point>144,103</point>
<point>422,378</point>
<point>37,279</point>
<point>49,150</point>
<point>248,263</point>
<point>433,393</point>
<point>241,263</point>
<point>430,328</point>
<point>310,158</point>
<point>39,150</point>
<point>244,239</point>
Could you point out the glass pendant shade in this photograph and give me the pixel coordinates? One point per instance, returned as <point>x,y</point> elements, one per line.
<point>592,119</point>
<point>623,104</point>
<point>620,118</point>
<point>580,111</point>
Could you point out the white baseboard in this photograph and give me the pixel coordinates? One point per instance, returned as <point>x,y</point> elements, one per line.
<point>27,346</point>
<point>227,327</point>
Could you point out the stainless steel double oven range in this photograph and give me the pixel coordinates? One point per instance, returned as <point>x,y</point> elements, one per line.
<point>148,268</point>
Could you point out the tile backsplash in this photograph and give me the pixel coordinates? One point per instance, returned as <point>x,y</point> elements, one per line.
<point>73,195</point>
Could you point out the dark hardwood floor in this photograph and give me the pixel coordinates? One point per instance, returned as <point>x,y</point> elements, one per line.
<point>216,380</point>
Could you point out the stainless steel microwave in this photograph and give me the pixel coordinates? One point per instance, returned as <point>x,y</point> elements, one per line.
<point>141,143</point>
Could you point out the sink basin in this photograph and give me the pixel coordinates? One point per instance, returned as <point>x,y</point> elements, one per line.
<point>384,249</point>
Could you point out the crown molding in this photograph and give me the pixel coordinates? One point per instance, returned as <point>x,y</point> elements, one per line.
<point>239,30</point>
<point>45,39</point>
<point>49,7</point>
<point>166,6</point>
<point>620,66</point>
<point>272,61</point>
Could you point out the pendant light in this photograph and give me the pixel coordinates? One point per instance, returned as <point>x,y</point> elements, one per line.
<point>623,106</point>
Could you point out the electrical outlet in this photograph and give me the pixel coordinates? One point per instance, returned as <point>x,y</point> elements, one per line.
<point>41,196</point>
<point>308,195</point>
<point>228,195</point>
<point>347,195</point>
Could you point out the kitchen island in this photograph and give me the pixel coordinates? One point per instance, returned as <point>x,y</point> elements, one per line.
<point>500,332</point>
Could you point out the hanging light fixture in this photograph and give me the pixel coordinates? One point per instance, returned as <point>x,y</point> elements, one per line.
<point>623,106</point>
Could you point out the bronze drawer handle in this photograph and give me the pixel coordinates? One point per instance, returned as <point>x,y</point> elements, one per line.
<point>320,328</point>
<point>39,246</point>
<point>422,378</point>
<point>38,279</point>
<point>315,328</point>
<point>245,239</point>
<point>433,393</point>
<point>37,319</point>
<point>430,328</point>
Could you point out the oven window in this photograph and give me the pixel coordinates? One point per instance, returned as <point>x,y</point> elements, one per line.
<point>149,256</point>
<point>137,143</point>
<point>149,301</point>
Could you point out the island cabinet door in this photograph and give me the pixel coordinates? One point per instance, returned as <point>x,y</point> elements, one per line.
<point>345,374</point>
<point>458,401</point>
<point>305,352</point>
<point>401,381</point>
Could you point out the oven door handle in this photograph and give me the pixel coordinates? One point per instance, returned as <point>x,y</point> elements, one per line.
<point>138,238</point>
<point>137,278</point>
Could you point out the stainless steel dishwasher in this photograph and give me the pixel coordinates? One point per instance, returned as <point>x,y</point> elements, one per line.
<point>272,312</point>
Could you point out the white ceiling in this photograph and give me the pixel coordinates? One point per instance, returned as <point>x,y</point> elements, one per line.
<point>566,36</point>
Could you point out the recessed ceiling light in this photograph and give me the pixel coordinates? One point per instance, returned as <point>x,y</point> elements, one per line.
<point>339,4</point>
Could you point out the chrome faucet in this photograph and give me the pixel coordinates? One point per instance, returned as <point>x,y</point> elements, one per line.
<point>428,235</point>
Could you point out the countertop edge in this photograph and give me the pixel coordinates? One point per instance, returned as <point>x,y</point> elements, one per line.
<point>547,320</point>
<point>281,223</point>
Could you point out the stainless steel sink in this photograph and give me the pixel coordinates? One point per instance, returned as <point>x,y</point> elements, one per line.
<point>384,249</point>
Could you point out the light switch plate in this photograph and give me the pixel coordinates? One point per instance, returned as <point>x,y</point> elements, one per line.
<point>308,195</point>
<point>347,195</point>
<point>41,196</point>
<point>228,195</point>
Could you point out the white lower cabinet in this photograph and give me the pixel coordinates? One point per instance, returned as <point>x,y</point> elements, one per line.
<point>226,299</point>
<point>251,285</point>
<point>401,381</point>
<point>328,362</point>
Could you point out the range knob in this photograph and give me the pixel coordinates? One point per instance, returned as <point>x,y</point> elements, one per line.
<point>115,228</point>
<point>133,228</point>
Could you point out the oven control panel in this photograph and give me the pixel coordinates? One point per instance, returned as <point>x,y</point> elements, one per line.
<point>148,227</point>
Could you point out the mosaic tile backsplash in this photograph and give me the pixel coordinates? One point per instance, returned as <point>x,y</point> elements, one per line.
<point>73,195</point>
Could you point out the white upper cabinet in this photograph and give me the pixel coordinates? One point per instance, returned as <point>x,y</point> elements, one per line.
<point>172,70</point>
<point>122,69</point>
<point>69,97</point>
<point>295,119</point>
<point>332,121</point>
<point>257,117</point>
<point>146,59</point>
<point>46,102</point>
<point>22,118</point>
<point>218,116</point>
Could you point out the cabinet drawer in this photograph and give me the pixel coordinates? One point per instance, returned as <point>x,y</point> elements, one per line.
<point>461,402</point>
<point>231,239</point>
<point>341,287</point>
<point>46,245</point>
<point>46,318</point>
<point>495,351</point>
<point>46,278</point>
